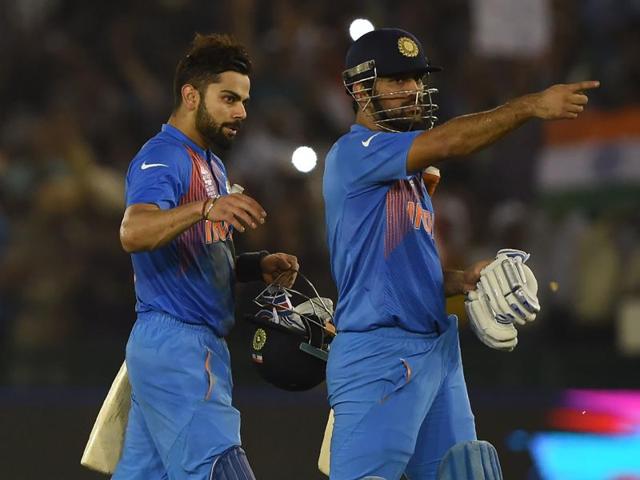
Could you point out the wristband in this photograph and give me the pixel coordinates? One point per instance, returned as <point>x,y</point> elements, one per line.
<point>248,266</point>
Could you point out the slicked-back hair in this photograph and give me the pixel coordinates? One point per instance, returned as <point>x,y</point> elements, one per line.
<point>208,57</point>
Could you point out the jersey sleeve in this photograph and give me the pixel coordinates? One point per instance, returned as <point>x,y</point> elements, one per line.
<point>379,158</point>
<point>158,175</point>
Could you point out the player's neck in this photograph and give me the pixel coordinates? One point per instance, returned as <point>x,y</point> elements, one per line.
<point>187,126</point>
<point>366,121</point>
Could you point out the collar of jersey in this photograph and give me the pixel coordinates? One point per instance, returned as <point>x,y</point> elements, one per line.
<point>177,134</point>
<point>356,127</point>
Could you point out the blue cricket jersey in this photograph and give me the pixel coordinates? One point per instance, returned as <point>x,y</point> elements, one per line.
<point>380,233</point>
<point>191,278</point>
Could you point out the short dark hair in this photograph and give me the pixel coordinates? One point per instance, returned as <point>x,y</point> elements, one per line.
<point>209,56</point>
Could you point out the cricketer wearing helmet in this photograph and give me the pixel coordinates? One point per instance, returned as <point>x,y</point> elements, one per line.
<point>394,374</point>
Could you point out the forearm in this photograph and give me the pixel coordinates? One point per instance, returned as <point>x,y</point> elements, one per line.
<point>468,133</point>
<point>147,227</point>
<point>477,130</point>
<point>453,282</point>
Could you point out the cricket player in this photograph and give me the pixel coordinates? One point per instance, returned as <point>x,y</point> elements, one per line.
<point>178,226</point>
<point>394,374</point>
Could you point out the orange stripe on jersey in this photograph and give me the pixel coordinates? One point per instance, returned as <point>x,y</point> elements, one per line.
<point>194,237</point>
<point>398,221</point>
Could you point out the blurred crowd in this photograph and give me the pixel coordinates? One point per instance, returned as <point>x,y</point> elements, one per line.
<point>84,85</point>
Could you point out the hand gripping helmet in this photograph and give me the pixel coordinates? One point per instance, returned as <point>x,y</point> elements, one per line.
<point>290,344</point>
<point>388,52</point>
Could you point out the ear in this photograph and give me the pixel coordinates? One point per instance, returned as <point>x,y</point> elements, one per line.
<point>190,97</point>
<point>358,90</point>
<point>360,94</point>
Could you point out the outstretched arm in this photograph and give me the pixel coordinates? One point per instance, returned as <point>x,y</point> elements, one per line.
<point>465,134</point>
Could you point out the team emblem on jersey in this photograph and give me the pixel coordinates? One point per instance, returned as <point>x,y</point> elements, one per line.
<point>407,47</point>
<point>208,181</point>
<point>259,339</point>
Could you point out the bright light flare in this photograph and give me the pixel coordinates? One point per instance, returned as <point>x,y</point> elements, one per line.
<point>304,159</point>
<point>359,27</point>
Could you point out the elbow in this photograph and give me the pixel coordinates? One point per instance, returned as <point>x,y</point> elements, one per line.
<point>129,240</point>
<point>137,233</point>
<point>126,241</point>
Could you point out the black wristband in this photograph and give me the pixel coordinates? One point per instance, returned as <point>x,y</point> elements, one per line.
<point>248,266</point>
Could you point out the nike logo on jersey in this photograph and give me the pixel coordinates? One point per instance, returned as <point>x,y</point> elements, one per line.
<point>146,165</point>
<point>365,143</point>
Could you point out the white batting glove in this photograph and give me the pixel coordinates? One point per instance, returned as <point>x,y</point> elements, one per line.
<point>506,293</point>
<point>494,334</point>
<point>510,287</point>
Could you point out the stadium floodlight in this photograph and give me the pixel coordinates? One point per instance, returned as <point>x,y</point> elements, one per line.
<point>304,159</point>
<point>359,27</point>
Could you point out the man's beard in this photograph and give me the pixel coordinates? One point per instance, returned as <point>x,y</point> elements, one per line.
<point>415,121</point>
<point>211,131</point>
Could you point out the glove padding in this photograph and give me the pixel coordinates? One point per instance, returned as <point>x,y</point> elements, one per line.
<point>506,293</point>
<point>510,287</point>
<point>501,336</point>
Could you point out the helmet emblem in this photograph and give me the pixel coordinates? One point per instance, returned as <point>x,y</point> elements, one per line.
<point>259,339</point>
<point>407,47</point>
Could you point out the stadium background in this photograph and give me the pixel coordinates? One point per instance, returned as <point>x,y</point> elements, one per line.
<point>84,84</point>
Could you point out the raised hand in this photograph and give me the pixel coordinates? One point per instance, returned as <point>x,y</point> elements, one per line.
<point>236,209</point>
<point>562,101</point>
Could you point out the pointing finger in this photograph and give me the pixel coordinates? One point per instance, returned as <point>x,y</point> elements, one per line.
<point>588,85</point>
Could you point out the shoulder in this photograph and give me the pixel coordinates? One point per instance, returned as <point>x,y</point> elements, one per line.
<point>364,142</point>
<point>382,139</point>
<point>163,153</point>
<point>350,143</point>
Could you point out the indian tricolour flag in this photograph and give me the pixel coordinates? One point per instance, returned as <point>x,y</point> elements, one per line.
<point>594,160</point>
